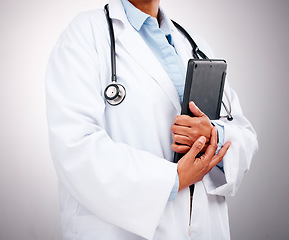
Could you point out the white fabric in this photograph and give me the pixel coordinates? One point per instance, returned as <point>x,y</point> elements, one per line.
<point>113,162</point>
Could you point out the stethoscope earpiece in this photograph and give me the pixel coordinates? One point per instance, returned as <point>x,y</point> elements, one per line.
<point>114,93</point>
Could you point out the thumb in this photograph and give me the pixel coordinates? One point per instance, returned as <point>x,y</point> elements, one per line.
<point>197,146</point>
<point>195,110</point>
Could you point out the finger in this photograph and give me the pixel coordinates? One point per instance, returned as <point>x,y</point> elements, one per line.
<point>181,130</point>
<point>214,136</point>
<point>211,149</point>
<point>182,139</point>
<point>197,146</point>
<point>184,120</point>
<point>195,110</point>
<point>219,157</point>
<point>180,148</point>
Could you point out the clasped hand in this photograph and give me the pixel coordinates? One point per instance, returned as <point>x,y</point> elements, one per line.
<point>196,135</point>
<point>186,130</point>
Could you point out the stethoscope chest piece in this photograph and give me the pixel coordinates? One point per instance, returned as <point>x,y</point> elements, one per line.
<point>114,93</point>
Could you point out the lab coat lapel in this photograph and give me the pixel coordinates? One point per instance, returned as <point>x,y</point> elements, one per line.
<point>133,43</point>
<point>137,48</point>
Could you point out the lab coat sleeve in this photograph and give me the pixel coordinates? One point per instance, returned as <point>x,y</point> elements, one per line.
<point>122,185</point>
<point>238,158</point>
<point>244,144</point>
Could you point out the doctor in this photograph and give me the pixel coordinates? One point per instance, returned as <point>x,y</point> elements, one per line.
<point>114,163</point>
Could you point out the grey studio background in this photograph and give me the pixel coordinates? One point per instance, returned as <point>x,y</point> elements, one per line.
<point>252,36</point>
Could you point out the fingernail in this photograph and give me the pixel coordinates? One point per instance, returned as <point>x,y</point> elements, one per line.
<point>193,103</point>
<point>202,139</point>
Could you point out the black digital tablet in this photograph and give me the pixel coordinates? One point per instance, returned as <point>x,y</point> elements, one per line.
<point>204,86</point>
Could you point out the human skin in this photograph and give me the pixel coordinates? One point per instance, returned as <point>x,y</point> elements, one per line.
<point>192,169</point>
<point>186,130</point>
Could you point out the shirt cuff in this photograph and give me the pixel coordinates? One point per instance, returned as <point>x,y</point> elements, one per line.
<point>221,140</point>
<point>175,189</point>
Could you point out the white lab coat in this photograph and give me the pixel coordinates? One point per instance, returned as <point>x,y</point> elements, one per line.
<point>114,162</point>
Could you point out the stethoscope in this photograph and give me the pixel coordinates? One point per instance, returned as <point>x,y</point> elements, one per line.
<point>115,93</point>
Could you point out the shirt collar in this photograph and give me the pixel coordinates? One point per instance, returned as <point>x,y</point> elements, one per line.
<point>134,15</point>
<point>137,17</point>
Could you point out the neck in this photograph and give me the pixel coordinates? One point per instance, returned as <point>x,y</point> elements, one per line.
<point>150,7</point>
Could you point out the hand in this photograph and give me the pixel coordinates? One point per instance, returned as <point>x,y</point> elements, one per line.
<point>192,169</point>
<point>186,130</point>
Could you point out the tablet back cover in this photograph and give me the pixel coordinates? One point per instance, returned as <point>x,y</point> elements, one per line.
<point>204,86</point>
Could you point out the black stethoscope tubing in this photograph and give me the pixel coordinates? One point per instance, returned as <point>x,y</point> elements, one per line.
<point>195,49</point>
<point>112,42</point>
